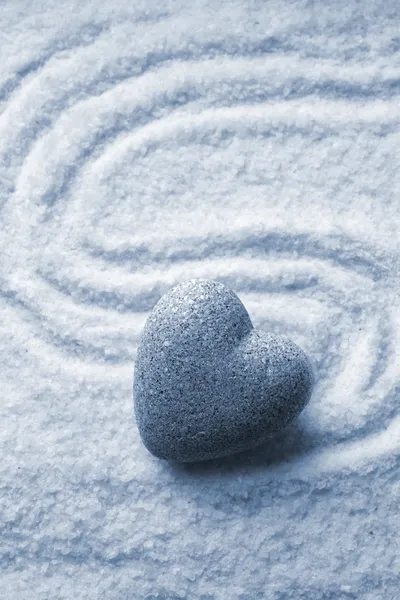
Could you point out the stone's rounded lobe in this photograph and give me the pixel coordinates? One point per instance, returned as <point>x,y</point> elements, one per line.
<point>199,320</point>
<point>206,383</point>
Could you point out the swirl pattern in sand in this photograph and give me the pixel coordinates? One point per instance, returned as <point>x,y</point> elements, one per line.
<point>142,148</point>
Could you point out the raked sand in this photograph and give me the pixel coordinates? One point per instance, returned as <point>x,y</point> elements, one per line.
<point>144,144</point>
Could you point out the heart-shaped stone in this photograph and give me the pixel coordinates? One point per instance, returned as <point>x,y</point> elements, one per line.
<point>206,383</point>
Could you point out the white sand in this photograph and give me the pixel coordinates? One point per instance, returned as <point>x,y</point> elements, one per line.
<point>142,144</point>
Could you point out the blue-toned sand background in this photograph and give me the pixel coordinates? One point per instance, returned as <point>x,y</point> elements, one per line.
<point>143,144</point>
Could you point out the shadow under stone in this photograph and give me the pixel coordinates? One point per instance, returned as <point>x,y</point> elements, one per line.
<point>291,442</point>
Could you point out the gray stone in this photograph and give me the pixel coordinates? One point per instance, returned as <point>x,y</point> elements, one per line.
<point>206,383</point>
